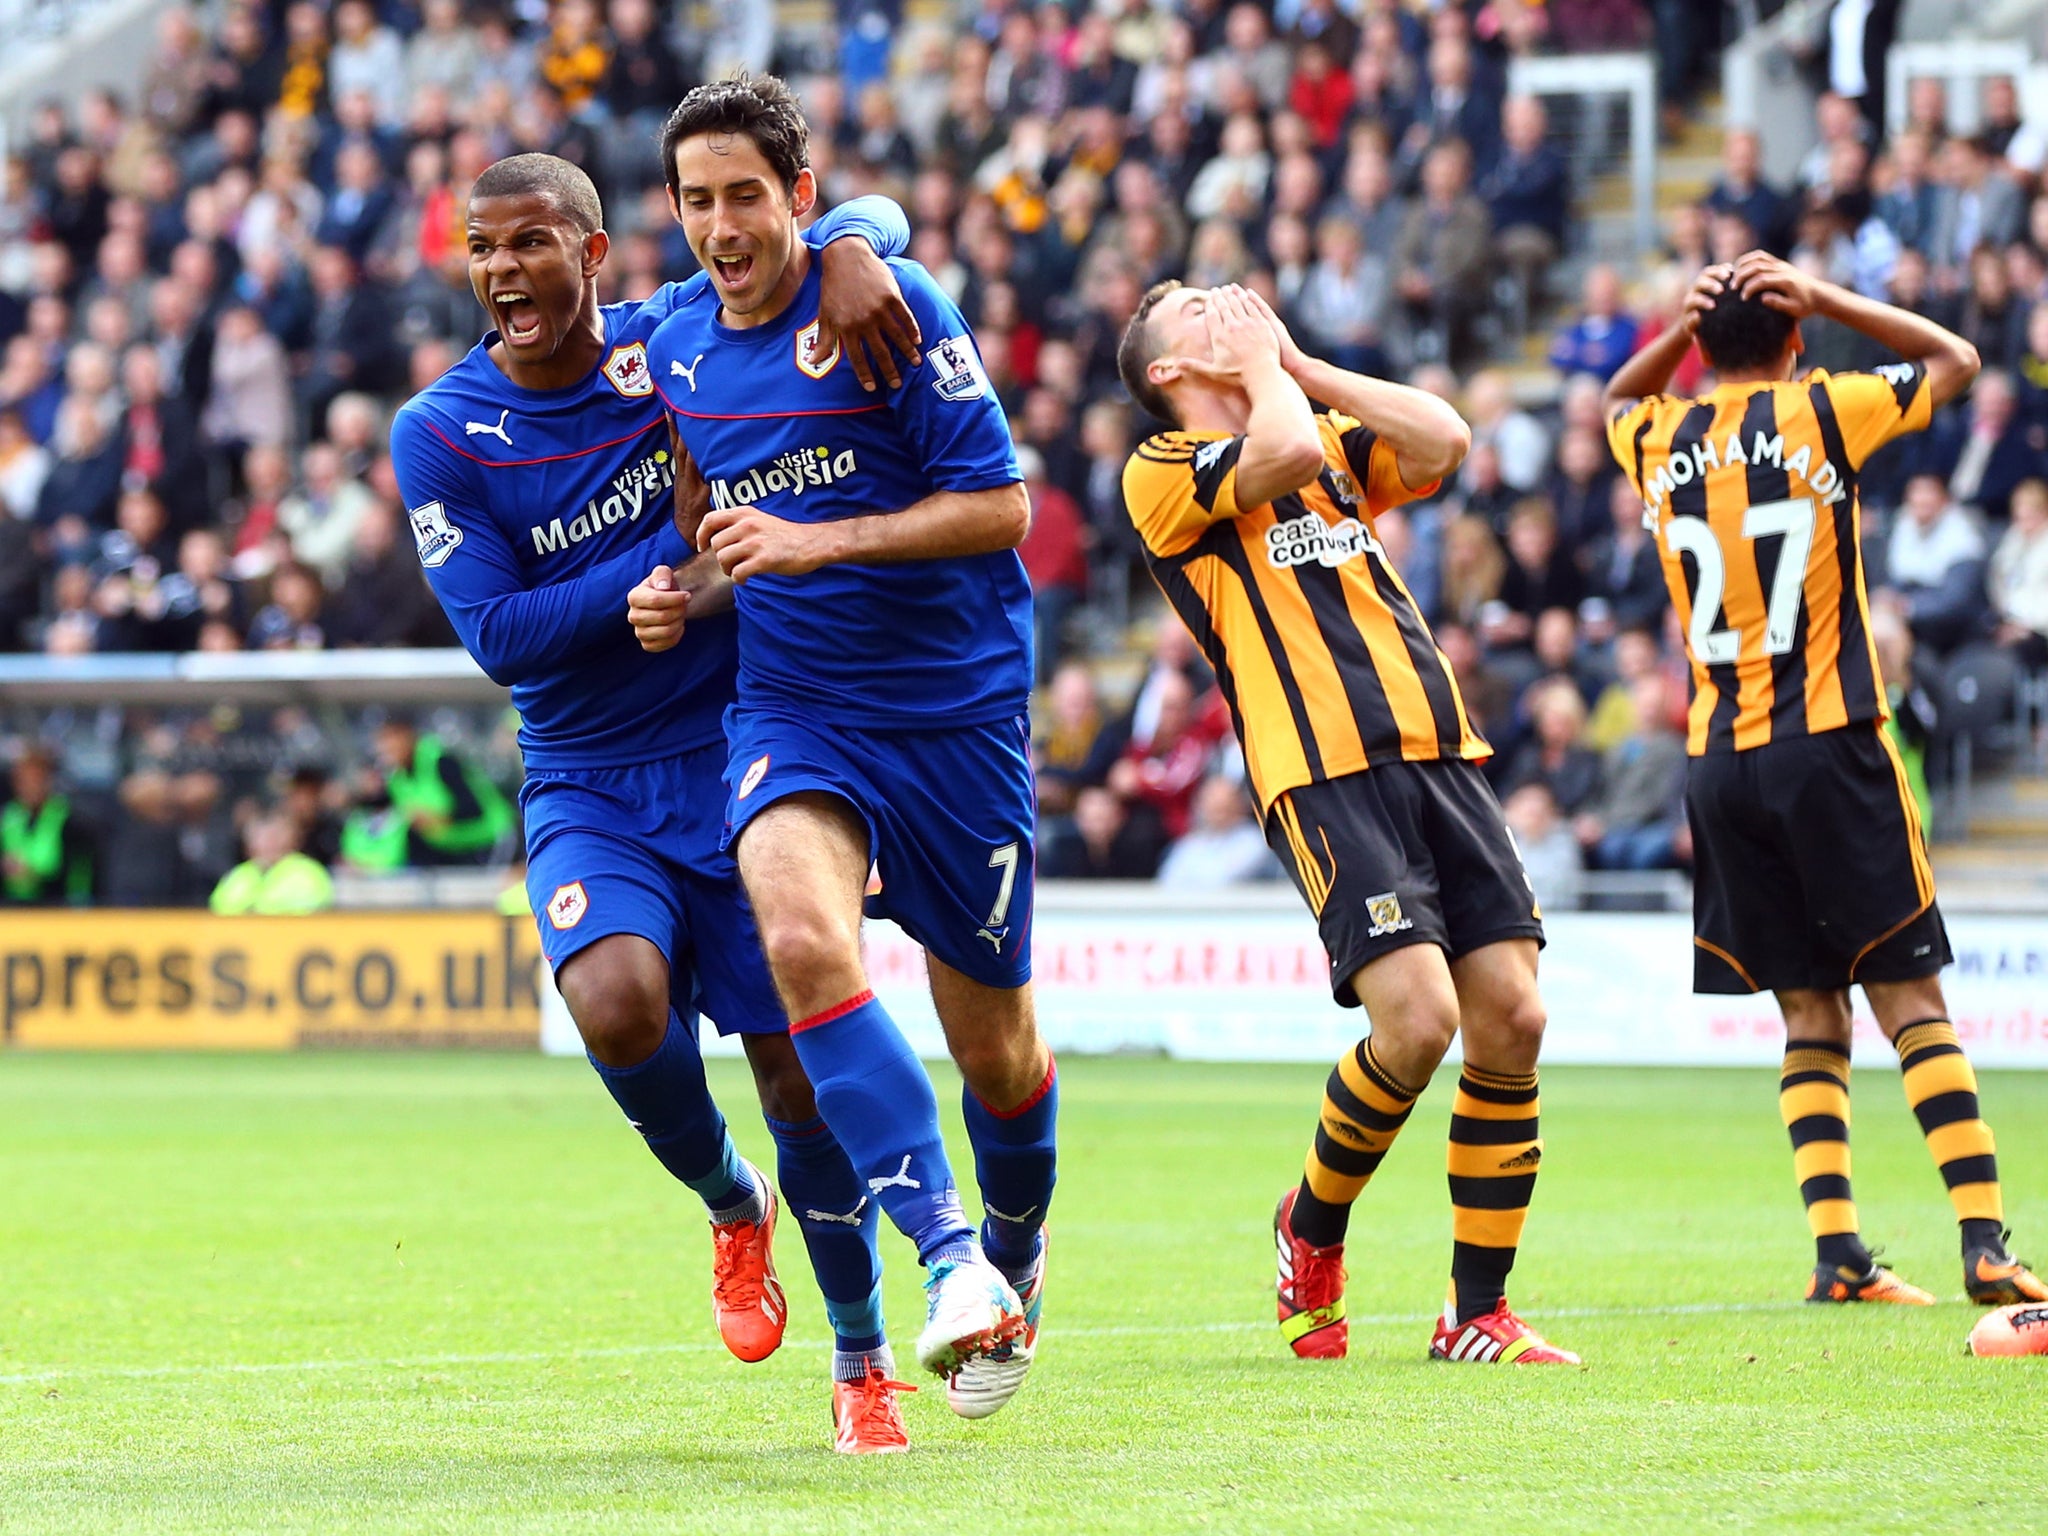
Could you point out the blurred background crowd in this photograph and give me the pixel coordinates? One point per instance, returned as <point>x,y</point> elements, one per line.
<point>216,287</point>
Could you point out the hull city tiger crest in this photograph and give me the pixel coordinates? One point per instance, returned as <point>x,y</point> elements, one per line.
<point>627,371</point>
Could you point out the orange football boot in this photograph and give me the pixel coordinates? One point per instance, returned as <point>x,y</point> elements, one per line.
<point>746,1298</point>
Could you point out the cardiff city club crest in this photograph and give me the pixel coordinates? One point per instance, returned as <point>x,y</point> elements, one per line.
<point>806,365</point>
<point>567,906</point>
<point>627,371</point>
<point>436,537</point>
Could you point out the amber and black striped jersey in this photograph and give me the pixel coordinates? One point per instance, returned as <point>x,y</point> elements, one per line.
<point>1327,663</point>
<point>1751,492</point>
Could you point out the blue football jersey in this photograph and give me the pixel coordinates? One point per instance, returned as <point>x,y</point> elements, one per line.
<point>537,511</point>
<point>909,645</point>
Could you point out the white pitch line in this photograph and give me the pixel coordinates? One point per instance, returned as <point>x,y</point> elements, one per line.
<point>633,1351</point>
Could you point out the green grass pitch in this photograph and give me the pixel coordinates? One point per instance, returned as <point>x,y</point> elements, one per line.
<point>448,1293</point>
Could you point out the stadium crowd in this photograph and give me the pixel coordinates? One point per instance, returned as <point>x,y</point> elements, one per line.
<point>215,290</point>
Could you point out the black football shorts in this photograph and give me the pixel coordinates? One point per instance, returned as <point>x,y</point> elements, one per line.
<point>1811,867</point>
<point>1408,853</point>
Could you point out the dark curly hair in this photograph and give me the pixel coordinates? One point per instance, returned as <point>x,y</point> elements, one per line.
<point>761,107</point>
<point>1741,333</point>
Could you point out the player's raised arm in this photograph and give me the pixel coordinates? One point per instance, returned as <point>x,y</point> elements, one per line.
<point>1951,362</point>
<point>516,633</point>
<point>1649,371</point>
<point>1429,438</point>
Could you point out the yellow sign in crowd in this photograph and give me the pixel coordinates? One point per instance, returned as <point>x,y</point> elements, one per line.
<point>170,980</point>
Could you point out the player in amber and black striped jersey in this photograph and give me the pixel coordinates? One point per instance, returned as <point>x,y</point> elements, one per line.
<point>1257,518</point>
<point>1812,869</point>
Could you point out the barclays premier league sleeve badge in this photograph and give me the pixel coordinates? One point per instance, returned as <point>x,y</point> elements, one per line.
<point>958,369</point>
<point>436,537</point>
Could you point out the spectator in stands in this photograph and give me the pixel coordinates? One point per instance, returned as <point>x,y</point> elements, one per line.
<point>159,439</point>
<point>169,852</point>
<point>1366,196</point>
<point>1055,555</point>
<point>1743,192</point>
<point>1634,819</point>
<point>1985,452</point>
<point>1472,571</point>
<point>1980,204</point>
<point>1912,204</point>
<point>1528,196</point>
<point>85,477</point>
<point>1555,756</point>
<point>350,333</point>
<point>1580,488</point>
<point>291,620</point>
<point>1540,574</point>
<point>47,853</point>
<point>1102,842</point>
<point>1075,740</point>
<point>1517,436</point>
<point>1934,566</point>
<point>1223,848</point>
<point>1550,853</point>
<point>1614,709</point>
<point>1604,335</point>
<point>321,519</point>
<point>1993,321</point>
<point>1441,257</point>
<point>1450,110</point>
<point>1341,307</point>
<point>443,809</point>
<point>2018,578</point>
<point>367,57</point>
<point>1623,567</point>
<point>1160,770</point>
<point>1839,123</point>
<point>383,599</point>
<point>276,880</point>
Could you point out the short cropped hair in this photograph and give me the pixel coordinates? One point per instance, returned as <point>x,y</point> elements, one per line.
<point>762,107</point>
<point>1136,352</point>
<point>564,184</point>
<point>1743,332</point>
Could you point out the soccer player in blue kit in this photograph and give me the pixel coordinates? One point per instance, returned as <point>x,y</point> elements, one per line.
<point>539,477</point>
<point>885,670</point>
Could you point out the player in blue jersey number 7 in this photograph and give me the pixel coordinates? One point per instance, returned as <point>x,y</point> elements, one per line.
<point>885,670</point>
<point>538,473</point>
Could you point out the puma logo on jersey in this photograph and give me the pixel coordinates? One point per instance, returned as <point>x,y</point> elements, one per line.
<point>899,1179</point>
<point>677,370</point>
<point>486,429</point>
<point>995,937</point>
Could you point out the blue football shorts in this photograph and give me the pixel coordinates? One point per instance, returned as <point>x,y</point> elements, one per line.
<point>640,850</point>
<point>949,816</point>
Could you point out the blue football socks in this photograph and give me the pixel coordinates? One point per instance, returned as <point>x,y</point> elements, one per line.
<point>666,1100</point>
<point>840,1224</point>
<point>1016,1164</point>
<point>873,1092</point>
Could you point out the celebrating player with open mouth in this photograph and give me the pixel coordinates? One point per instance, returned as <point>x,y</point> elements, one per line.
<point>1812,864</point>
<point>1256,516</point>
<point>540,481</point>
<point>885,670</point>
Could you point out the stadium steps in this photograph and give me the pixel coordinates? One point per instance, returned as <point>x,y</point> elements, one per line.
<point>2005,857</point>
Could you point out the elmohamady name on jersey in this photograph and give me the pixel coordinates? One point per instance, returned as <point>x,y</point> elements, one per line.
<point>1751,492</point>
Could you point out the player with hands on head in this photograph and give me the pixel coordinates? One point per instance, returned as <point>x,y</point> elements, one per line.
<point>1256,513</point>
<point>538,476</point>
<point>1812,873</point>
<point>885,624</point>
